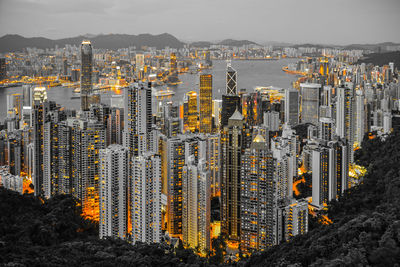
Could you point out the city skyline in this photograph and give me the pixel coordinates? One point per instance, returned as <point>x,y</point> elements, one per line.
<point>337,22</point>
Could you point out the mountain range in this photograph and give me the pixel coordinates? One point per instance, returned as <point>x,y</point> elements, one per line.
<point>14,42</point>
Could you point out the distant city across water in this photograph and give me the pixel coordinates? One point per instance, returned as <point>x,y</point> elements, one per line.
<point>251,73</point>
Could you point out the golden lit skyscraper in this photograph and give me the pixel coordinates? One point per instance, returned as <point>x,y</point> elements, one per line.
<point>192,111</point>
<point>205,103</point>
<point>86,74</point>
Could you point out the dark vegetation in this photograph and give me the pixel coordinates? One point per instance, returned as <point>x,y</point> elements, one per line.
<point>54,234</point>
<point>365,229</point>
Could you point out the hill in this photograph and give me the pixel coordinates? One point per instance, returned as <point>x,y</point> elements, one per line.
<point>380,59</point>
<point>231,42</point>
<point>12,43</point>
<point>366,219</point>
<point>54,234</point>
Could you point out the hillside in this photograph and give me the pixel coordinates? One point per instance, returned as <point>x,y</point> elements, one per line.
<point>380,59</point>
<point>366,220</point>
<point>11,43</point>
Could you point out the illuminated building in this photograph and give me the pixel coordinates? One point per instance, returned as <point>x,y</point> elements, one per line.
<point>345,116</point>
<point>285,149</point>
<point>230,103</point>
<point>3,68</point>
<point>196,205</point>
<point>114,182</point>
<point>214,163</point>
<point>115,126</point>
<point>326,129</point>
<point>137,117</point>
<point>234,139</point>
<point>175,160</point>
<point>88,137</point>
<point>139,63</point>
<point>15,103</point>
<point>86,74</point>
<point>216,112</point>
<point>292,107</point>
<point>296,219</point>
<point>310,102</point>
<point>338,169</point>
<point>192,115</point>
<point>359,117</point>
<point>14,152</point>
<point>146,198</point>
<point>38,116</point>
<point>205,103</point>
<point>252,108</point>
<point>320,176</point>
<point>258,197</point>
<point>231,80</point>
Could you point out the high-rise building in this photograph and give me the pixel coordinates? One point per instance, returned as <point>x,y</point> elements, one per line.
<point>310,93</point>
<point>258,197</point>
<point>196,205</point>
<point>359,117</point>
<point>88,137</point>
<point>174,160</point>
<point>230,103</point>
<point>205,103</point>
<point>231,80</point>
<point>345,116</point>
<point>234,139</point>
<point>146,198</point>
<point>292,107</point>
<point>86,74</point>
<point>296,219</point>
<point>38,116</point>
<point>115,126</point>
<point>114,183</point>
<point>137,117</point>
<point>191,112</point>
<point>320,176</point>
<point>3,68</point>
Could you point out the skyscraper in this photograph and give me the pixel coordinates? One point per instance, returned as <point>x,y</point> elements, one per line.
<point>258,197</point>
<point>310,93</point>
<point>296,219</point>
<point>192,114</point>
<point>234,139</point>
<point>114,182</point>
<point>137,117</point>
<point>86,74</point>
<point>205,103</point>
<point>88,137</point>
<point>196,205</point>
<point>345,117</point>
<point>146,198</point>
<point>231,80</point>
<point>230,103</point>
<point>320,176</point>
<point>292,107</point>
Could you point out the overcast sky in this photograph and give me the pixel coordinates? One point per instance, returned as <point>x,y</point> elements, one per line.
<point>296,21</point>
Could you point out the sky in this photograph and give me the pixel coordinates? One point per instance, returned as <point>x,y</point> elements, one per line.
<point>293,21</point>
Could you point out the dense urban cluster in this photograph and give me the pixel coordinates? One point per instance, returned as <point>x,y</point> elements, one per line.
<point>147,169</point>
